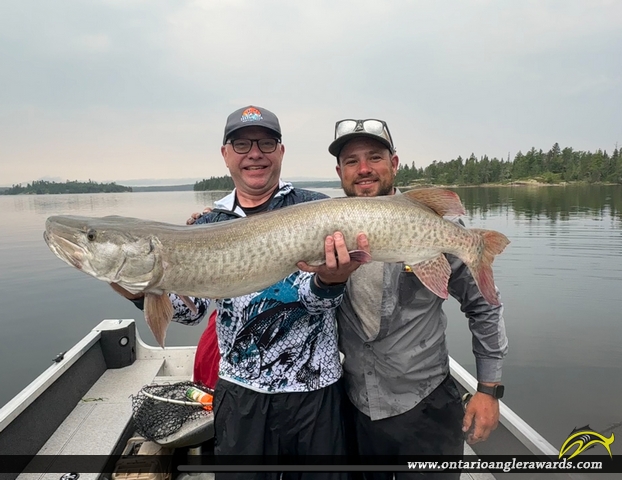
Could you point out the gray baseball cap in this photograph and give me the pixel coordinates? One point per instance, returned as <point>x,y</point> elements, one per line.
<point>251,116</point>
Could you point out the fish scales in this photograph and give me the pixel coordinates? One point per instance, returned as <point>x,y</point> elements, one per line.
<point>243,256</point>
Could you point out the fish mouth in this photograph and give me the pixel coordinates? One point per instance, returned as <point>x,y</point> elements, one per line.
<point>64,249</point>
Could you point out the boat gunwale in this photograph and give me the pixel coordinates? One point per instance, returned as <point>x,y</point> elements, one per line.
<point>20,402</point>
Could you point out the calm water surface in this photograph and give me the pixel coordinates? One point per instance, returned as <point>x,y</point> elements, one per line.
<point>560,280</point>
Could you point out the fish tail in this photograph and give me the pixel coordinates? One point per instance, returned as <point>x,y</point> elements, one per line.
<point>492,244</point>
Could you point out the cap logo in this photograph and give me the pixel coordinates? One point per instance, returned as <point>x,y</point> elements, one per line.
<point>251,115</point>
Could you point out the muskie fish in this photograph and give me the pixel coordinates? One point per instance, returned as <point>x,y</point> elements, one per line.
<point>238,257</point>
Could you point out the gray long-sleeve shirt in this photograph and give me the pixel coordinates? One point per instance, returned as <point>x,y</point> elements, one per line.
<point>406,357</point>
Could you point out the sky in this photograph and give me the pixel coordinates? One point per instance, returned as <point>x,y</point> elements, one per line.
<point>138,91</point>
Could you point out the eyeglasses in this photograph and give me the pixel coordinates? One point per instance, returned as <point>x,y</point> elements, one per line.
<point>370,125</point>
<point>244,145</point>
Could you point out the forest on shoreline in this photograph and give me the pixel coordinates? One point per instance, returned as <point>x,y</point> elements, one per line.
<point>553,167</point>
<point>224,183</point>
<point>42,187</point>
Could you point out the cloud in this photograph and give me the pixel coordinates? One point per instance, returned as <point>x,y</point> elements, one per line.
<point>98,43</point>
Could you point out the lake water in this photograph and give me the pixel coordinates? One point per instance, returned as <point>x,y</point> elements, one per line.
<point>560,280</point>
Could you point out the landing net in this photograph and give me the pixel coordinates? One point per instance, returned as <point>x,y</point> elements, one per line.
<point>161,410</point>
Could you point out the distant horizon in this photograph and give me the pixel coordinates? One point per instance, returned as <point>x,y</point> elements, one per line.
<point>164,182</point>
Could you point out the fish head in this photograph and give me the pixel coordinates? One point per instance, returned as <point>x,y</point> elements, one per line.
<point>105,248</point>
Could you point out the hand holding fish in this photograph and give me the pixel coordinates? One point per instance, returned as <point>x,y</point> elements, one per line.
<point>339,263</point>
<point>195,215</point>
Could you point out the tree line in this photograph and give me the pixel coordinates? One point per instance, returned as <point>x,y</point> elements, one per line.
<point>215,183</point>
<point>554,166</point>
<point>41,187</point>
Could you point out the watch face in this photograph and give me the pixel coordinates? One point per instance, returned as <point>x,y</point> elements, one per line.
<point>499,391</point>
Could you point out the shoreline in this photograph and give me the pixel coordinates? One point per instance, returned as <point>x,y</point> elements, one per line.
<point>517,183</point>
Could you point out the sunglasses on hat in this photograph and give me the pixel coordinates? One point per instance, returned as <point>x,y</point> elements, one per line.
<point>350,128</point>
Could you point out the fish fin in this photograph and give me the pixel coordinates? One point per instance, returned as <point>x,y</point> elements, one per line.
<point>360,256</point>
<point>434,274</point>
<point>158,313</point>
<point>494,244</point>
<point>443,202</point>
<point>189,303</point>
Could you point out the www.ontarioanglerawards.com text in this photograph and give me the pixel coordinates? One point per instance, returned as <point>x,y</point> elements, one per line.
<point>507,466</point>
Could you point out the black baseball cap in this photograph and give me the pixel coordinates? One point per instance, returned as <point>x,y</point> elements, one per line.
<point>251,116</point>
<point>349,128</point>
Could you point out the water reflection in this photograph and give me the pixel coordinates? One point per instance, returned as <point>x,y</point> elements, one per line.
<point>556,203</point>
<point>208,198</point>
<point>68,203</point>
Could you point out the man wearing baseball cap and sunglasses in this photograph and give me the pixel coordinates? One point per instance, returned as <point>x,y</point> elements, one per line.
<point>392,333</point>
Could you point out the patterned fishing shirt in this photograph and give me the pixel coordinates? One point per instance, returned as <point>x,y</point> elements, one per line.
<point>283,338</point>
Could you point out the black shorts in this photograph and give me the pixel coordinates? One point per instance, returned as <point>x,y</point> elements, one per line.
<point>247,422</point>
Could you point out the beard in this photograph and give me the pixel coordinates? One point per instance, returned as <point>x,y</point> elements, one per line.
<point>383,187</point>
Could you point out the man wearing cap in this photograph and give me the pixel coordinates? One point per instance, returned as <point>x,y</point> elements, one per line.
<point>278,391</point>
<point>392,333</point>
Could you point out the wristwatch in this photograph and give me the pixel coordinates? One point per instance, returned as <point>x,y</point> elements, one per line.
<point>495,391</point>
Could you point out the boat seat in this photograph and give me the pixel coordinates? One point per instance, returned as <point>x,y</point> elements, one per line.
<point>191,433</point>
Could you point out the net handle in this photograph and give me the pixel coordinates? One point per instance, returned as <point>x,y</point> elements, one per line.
<point>188,403</point>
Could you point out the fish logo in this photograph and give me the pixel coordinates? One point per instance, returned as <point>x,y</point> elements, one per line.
<point>251,115</point>
<point>585,438</point>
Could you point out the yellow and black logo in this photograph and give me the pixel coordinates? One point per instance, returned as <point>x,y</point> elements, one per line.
<point>585,438</point>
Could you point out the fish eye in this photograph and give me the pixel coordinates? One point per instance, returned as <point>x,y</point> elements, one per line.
<point>91,234</point>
